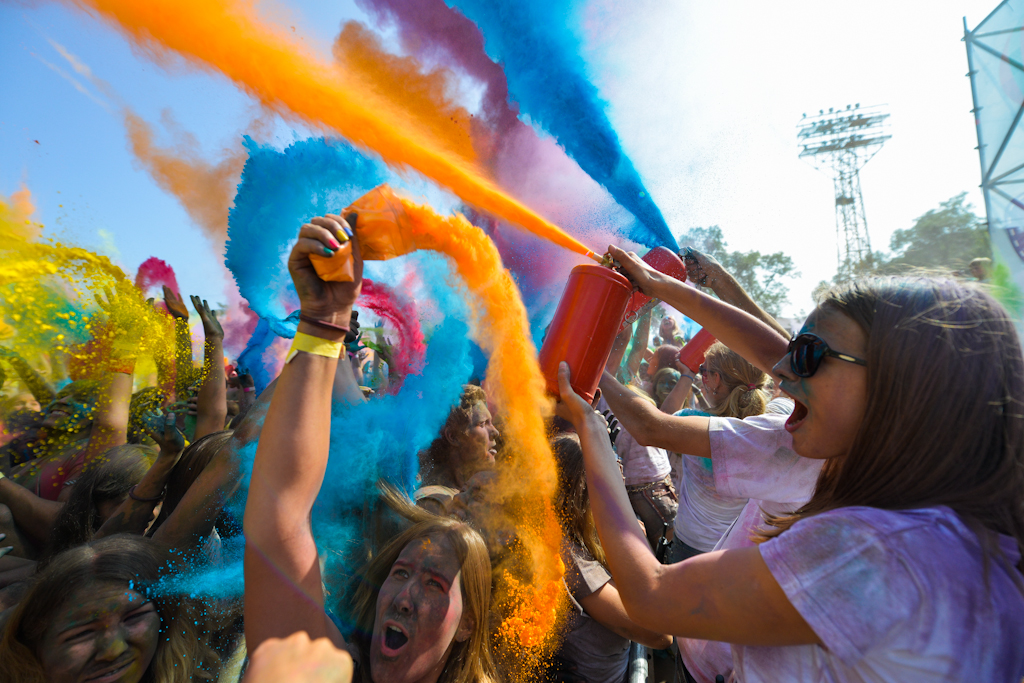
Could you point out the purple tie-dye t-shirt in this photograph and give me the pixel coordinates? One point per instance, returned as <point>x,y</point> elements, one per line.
<point>894,596</point>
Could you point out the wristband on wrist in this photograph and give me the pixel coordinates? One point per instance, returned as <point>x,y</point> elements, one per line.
<point>124,366</point>
<point>131,494</point>
<point>307,343</point>
<point>248,389</point>
<point>323,323</point>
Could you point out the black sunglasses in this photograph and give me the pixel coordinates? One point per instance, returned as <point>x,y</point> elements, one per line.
<point>806,352</point>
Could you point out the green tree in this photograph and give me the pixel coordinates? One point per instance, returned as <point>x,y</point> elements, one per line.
<point>948,237</point>
<point>762,275</point>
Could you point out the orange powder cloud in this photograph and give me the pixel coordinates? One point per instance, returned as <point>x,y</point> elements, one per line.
<point>204,189</point>
<point>275,68</point>
<point>425,97</point>
<point>528,476</point>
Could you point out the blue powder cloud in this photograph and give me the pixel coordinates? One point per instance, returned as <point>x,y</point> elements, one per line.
<point>532,39</point>
<point>281,190</point>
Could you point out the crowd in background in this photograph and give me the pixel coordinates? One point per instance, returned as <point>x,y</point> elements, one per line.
<point>846,504</point>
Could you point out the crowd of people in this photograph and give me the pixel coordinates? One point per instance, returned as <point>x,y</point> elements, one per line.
<point>843,505</point>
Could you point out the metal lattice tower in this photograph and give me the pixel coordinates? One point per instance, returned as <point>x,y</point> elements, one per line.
<point>842,141</point>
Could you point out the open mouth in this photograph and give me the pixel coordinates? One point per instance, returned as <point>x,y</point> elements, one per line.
<point>394,640</point>
<point>797,417</point>
<point>111,674</point>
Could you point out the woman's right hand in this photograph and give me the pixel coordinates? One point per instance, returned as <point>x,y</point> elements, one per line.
<point>642,275</point>
<point>328,301</point>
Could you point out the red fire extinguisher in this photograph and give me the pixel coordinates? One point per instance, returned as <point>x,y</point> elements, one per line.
<point>590,315</point>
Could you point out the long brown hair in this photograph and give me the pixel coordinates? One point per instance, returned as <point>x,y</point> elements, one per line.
<point>944,421</point>
<point>183,652</point>
<point>469,661</point>
<point>572,501</point>
<point>745,383</point>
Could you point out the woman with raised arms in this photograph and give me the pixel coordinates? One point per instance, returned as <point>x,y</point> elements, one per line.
<point>906,562</point>
<point>423,603</point>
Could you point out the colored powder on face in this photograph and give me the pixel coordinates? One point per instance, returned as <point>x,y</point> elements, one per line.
<point>274,67</point>
<point>547,77</point>
<point>281,190</point>
<point>527,477</point>
<point>400,311</point>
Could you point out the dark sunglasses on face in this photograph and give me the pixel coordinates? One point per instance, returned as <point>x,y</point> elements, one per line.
<point>807,351</point>
<point>702,370</point>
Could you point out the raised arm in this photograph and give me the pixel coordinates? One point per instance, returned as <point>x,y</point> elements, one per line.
<point>755,340</point>
<point>183,371</point>
<point>729,595</point>
<point>135,513</point>
<point>641,338</point>
<point>706,271</point>
<point>283,590</point>
<point>652,427</point>
<point>212,401</point>
<point>35,382</point>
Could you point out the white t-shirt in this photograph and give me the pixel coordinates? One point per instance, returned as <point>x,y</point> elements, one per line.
<point>894,596</point>
<point>707,512</point>
<point>640,464</point>
<point>704,514</point>
<point>751,458</point>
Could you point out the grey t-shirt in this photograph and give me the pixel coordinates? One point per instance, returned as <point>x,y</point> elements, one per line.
<point>600,655</point>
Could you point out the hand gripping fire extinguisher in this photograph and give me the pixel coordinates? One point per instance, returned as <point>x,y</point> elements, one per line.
<point>594,304</point>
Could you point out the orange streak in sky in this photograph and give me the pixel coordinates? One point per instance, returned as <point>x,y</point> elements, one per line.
<point>228,36</point>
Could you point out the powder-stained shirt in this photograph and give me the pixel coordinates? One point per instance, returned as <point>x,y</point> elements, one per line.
<point>751,458</point>
<point>894,596</point>
<point>640,464</point>
<point>600,655</point>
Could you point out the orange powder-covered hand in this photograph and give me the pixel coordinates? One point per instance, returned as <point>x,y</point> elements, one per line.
<point>383,228</point>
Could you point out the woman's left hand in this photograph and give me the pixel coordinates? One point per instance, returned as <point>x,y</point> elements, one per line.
<point>570,405</point>
<point>328,301</point>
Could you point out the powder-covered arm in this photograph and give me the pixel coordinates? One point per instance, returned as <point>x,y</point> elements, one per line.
<point>753,339</point>
<point>651,427</point>
<point>212,401</point>
<point>729,596</point>
<point>283,589</point>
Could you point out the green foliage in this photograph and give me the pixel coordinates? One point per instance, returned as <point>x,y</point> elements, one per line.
<point>760,274</point>
<point>948,237</point>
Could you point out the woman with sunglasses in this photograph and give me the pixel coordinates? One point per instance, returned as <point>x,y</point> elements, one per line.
<point>905,564</point>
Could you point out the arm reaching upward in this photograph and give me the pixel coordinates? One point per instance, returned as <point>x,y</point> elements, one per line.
<point>728,595</point>
<point>212,403</point>
<point>283,591</point>
<point>755,340</point>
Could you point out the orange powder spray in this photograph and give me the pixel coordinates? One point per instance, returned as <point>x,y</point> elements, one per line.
<point>426,97</point>
<point>205,189</point>
<point>527,477</point>
<point>228,36</point>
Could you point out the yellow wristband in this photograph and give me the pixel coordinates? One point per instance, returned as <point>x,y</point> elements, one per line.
<point>313,345</point>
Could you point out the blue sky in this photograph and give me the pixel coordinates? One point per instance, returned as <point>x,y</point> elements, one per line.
<point>705,96</point>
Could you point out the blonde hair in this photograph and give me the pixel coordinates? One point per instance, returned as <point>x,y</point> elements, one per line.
<point>469,661</point>
<point>746,384</point>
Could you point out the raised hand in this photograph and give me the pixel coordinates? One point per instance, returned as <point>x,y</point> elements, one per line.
<point>174,303</point>
<point>163,430</point>
<point>642,275</point>
<point>330,302</point>
<point>701,269</point>
<point>211,326</point>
